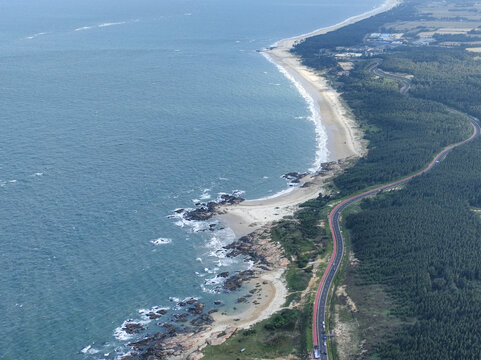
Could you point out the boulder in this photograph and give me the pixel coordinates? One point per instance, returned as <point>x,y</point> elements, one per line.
<point>202,320</point>
<point>197,308</point>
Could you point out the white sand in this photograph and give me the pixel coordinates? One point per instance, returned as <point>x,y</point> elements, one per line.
<point>271,299</point>
<point>344,140</point>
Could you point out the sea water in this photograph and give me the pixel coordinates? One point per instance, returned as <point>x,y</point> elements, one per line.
<point>113,114</point>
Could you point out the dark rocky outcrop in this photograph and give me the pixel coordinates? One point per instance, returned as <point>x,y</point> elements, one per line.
<point>202,320</point>
<point>235,282</point>
<point>133,328</point>
<point>245,246</point>
<point>197,308</point>
<point>202,213</point>
<point>207,211</point>
<point>156,314</point>
<point>180,317</point>
<point>294,177</point>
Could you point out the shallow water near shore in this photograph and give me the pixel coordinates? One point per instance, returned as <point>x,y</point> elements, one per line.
<point>114,115</point>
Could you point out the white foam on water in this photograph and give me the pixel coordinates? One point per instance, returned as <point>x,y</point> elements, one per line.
<point>236,193</point>
<point>122,335</point>
<point>321,137</point>
<point>153,308</point>
<point>161,241</point>
<point>216,280</point>
<point>107,24</point>
<point>218,240</point>
<point>35,35</point>
<point>89,350</point>
<point>209,291</point>
<point>84,28</point>
<point>85,349</point>
<point>144,312</point>
<point>199,226</point>
<point>112,24</point>
<point>184,300</point>
<point>205,195</point>
<point>123,355</point>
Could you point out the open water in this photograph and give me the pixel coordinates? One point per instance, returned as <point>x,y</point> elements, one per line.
<point>113,114</point>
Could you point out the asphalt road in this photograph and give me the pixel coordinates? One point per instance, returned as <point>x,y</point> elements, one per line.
<point>405,82</point>
<point>318,328</point>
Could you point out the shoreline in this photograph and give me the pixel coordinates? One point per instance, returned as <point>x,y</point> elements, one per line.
<point>344,144</point>
<point>344,139</point>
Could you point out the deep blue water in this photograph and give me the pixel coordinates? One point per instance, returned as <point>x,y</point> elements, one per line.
<point>104,131</point>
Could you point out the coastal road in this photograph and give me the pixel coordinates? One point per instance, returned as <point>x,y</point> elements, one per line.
<point>376,71</point>
<point>318,328</point>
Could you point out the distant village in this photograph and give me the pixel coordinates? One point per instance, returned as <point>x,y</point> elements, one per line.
<point>374,44</point>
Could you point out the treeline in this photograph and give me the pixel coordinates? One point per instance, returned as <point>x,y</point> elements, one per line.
<point>451,76</point>
<point>404,132</point>
<point>424,244</point>
<point>456,37</point>
<point>350,35</point>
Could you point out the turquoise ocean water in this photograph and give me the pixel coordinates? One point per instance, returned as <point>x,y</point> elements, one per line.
<point>113,114</point>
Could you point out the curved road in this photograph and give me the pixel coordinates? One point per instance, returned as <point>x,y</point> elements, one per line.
<point>376,71</point>
<point>318,328</point>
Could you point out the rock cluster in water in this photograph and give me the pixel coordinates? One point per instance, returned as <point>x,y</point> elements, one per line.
<point>206,211</point>
<point>294,177</point>
<point>174,341</point>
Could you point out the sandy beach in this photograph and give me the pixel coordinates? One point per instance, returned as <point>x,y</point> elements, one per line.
<point>344,143</point>
<point>344,139</point>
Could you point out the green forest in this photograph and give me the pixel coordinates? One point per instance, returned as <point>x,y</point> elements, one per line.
<point>450,76</point>
<point>422,242</point>
<point>404,132</point>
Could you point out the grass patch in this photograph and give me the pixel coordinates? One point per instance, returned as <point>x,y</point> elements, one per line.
<point>274,337</point>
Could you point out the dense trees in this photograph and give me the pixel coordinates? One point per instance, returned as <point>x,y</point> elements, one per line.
<point>350,35</point>
<point>451,76</point>
<point>404,132</point>
<point>422,242</point>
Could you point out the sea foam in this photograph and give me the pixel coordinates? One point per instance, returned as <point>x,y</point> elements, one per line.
<point>35,35</point>
<point>112,24</point>
<point>321,137</point>
<point>161,241</point>
<point>107,24</point>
